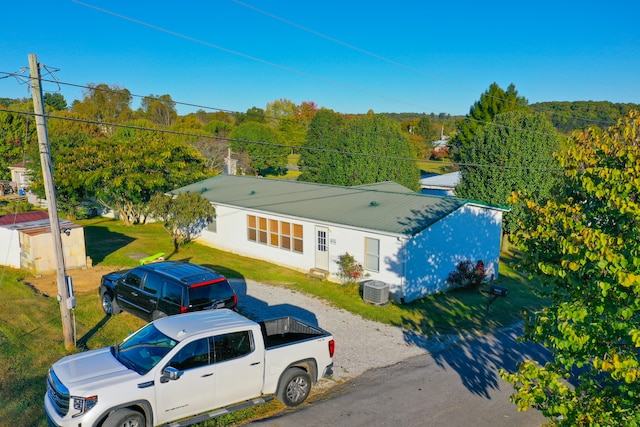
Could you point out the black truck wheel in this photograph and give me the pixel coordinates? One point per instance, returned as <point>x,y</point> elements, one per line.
<point>125,418</point>
<point>295,385</point>
<point>109,305</point>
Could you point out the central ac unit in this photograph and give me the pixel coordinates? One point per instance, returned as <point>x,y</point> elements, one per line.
<point>375,292</point>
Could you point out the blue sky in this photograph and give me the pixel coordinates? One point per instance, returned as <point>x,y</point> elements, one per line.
<point>349,56</point>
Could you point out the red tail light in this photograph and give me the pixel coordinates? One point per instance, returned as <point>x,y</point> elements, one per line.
<point>183,309</point>
<point>235,300</point>
<point>332,347</point>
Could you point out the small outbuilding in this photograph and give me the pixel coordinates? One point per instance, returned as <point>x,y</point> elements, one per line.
<point>405,239</point>
<point>26,243</point>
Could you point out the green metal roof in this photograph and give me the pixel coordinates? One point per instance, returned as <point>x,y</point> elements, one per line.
<point>385,207</point>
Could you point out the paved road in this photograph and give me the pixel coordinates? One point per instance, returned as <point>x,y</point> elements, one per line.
<point>458,386</point>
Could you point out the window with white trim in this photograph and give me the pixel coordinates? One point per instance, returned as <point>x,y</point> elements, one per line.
<point>371,254</point>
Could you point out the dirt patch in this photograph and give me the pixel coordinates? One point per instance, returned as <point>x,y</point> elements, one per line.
<point>84,280</point>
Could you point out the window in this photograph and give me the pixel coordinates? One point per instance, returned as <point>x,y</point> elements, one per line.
<point>172,292</point>
<point>152,284</point>
<point>371,254</point>
<point>279,234</point>
<point>233,345</point>
<point>192,355</point>
<point>274,232</point>
<point>212,225</point>
<point>134,279</point>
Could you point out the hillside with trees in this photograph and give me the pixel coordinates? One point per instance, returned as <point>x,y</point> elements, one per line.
<point>580,115</point>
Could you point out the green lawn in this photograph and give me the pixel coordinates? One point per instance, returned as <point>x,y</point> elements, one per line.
<point>31,335</point>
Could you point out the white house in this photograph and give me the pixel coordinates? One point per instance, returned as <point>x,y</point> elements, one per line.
<point>408,240</point>
<point>440,185</point>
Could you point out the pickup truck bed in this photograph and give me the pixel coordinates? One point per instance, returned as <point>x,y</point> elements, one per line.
<point>287,330</point>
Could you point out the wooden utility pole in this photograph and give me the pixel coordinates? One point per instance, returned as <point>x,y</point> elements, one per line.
<point>45,159</point>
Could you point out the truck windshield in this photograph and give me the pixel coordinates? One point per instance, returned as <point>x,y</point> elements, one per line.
<point>142,350</point>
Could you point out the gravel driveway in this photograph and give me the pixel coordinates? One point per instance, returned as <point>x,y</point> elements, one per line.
<point>360,344</point>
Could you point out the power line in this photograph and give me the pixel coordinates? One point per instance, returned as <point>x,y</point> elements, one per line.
<point>252,58</point>
<point>390,61</point>
<point>126,91</point>
<point>294,147</point>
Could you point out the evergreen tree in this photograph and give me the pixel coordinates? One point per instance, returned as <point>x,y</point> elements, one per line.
<point>515,153</point>
<point>492,102</point>
<point>369,149</point>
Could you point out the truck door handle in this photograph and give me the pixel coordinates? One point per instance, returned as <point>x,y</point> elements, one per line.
<point>207,375</point>
<point>135,294</point>
<point>255,363</point>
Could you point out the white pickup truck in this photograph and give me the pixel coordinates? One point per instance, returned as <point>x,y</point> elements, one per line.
<point>188,368</point>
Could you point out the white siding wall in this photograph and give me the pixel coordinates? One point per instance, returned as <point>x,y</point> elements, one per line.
<point>9,247</point>
<point>413,267</point>
<point>471,233</point>
<point>231,236</point>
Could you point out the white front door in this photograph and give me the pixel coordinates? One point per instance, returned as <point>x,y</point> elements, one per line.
<point>322,248</point>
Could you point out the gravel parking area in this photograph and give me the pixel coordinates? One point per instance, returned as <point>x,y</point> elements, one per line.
<point>360,344</point>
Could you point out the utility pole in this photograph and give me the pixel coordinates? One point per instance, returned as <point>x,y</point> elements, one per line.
<point>45,159</point>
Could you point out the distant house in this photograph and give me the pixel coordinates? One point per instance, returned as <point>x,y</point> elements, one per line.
<point>408,240</point>
<point>26,243</point>
<point>440,185</point>
<point>19,175</point>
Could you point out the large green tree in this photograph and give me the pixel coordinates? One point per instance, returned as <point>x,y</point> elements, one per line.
<point>125,171</point>
<point>159,109</point>
<point>583,245</point>
<point>492,102</point>
<point>263,145</point>
<point>183,216</point>
<point>515,153</point>
<point>106,105</point>
<point>367,149</point>
<point>16,132</point>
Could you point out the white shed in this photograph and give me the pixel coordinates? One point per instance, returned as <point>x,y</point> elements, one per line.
<point>26,243</point>
<point>405,239</point>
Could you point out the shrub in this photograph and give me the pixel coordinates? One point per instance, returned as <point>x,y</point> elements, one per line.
<point>349,270</point>
<point>466,274</point>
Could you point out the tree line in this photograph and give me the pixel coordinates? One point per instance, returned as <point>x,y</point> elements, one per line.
<point>574,209</point>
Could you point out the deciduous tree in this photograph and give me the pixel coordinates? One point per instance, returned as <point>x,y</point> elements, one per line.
<point>105,105</point>
<point>263,145</point>
<point>159,109</point>
<point>583,245</point>
<point>184,216</point>
<point>16,130</point>
<point>127,170</point>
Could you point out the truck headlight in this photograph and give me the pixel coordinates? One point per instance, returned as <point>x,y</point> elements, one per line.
<point>83,404</point>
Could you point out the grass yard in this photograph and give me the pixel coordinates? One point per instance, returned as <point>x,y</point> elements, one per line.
<point>31,333</point>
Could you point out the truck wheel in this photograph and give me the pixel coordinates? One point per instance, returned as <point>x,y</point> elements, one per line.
<point>125,418</point>
<point>295,385</point>
<point>109,306</point>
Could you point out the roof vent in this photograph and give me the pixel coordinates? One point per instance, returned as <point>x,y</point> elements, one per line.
<point>375,292</point>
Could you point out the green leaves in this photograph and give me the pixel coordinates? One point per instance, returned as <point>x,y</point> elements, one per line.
<point>584,242</point>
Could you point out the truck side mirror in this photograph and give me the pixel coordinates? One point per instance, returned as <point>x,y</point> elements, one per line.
<point>170,374</point>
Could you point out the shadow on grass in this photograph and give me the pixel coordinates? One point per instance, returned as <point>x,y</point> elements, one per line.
<point>82,342</point>
<point>100,242</point>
